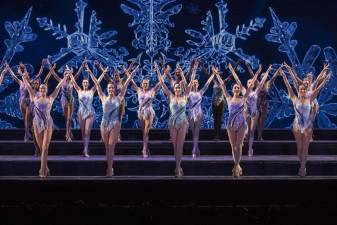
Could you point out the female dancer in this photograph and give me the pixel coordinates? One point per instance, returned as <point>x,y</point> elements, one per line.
<point>251,106</point>
<point>178,123</point>
<point>86,112</point>
<point>303,123</point>
<point>24,100</point>
<point>218,105</point>
<point>308,84</point>
<point>262,104</point>
<point>146,113</point>
<point>195,114</point>
<point>111,124</point>
<point>236,123</point>
<point>118,82</point>
<point>67,97</point>
<point>42,121</point>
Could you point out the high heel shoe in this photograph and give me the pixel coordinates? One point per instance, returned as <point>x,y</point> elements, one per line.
<point>86,154</point>
<point>195,153</point>
<point>146,153</point>
<point>237,171</point>
<point>250,153</point>
<point>110,173</point>
<point>302,172</point>
<point>179,172</point>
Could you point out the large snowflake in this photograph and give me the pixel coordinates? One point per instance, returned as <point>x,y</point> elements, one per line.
<point>219,46</point>
<point>151,23</point>
<point>280,108</point>
<point>19,32</point>
<point>92,45</point>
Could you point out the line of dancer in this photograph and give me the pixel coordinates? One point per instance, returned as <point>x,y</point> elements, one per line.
<point>247,106</point>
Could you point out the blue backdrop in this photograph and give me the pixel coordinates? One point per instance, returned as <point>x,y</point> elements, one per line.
<point>269,32</point>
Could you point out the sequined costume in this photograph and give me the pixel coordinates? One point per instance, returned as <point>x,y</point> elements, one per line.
<point>235,115</point>
<point>67,94</point>
<point>302,119</point>
<point>178,116</point>
<point>110,113</point>
<point>145,104</point>
<point>85,104</point>
<point>195,110</point>
<point>42,119</point>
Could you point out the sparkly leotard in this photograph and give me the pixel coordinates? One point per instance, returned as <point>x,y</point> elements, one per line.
<point>42,118</point>
<point>178,113</point>
<point>262,100</point>
<point>251,105</point>
<point>236,118</point>
<point>110,112</point>
<point>145,104</point>
<point>195,110</point>
<point>302,119</point>
<point>24,94</point>
<point>85,104</point>
<point>67,94</point>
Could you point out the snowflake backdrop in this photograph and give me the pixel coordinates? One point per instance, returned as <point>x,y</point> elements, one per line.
<point>147,31</point>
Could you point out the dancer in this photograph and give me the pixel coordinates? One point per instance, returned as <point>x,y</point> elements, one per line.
<point>24,100</point>
<point>262,103</point>
<point>303,123</point>
<point>145,112</point>
<point>178,122</point>
<point>111,124</point>
<point>251,106</point>
<point>195,114</point>
<point>236,123</point>
<point>118,82</point>
<point>308,84</point>
<point>86,112</point>
<point>42,121</point>
<point>67,97</point>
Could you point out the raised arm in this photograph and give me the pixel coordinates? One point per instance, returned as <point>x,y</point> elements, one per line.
<point>251,86</point>
<point>296,79</point>
<point>321,76</point>
<point>56,91</point>
<point>55,75</point>
<point>97,85</point>
<point>25,79</point>
<point>161,81</point>
<point>158,85</point>
<point>236,77</point>
<point>43,64</point>
<point>126,83</point>
<point>51,72</point>
<point>289,88</point>
<point>206,85</point>
<point>221,83</point>
<point>319,88</point>
<point>272,80</point>
<point>100,78</point>
<point>189,87</point>
<point>181,73</point>
<point>17,80</point>
<point>80,70</point>
<point>73,81</point>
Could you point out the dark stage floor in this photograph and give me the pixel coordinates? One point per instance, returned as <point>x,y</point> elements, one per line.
<point>144,191</point>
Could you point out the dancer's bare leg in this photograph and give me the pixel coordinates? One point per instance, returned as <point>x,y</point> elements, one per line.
<point>147,124</point>
<point>240,135</point>
<point>180,139</point>
<point>261,121</point>
<point>87,131</point>
<point>112,141</point>
<point>304,153</point>
<point>195,127</point>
